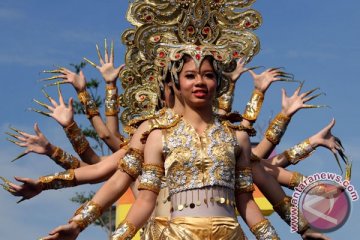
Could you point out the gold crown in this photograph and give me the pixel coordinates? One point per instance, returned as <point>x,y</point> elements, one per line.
<point>166,30</point>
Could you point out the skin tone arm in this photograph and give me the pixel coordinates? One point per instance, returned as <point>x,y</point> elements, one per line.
<point>110,74</point>
<point>88,174</point>
<point>323,138</point>
<point>79,83</point>
<point>37,143</point>
<point>245,203</point>
<point>64,115</point>
<point>114,188</point>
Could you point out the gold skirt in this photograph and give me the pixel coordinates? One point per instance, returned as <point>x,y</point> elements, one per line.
<point>203,228</point>
<point>154,228</point>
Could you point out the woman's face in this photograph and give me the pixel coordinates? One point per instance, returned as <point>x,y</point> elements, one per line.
<point>198,85</point>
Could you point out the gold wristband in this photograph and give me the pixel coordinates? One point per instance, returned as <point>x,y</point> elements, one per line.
<point>254,105</point>
<point>296,179</point>
<point>244,180</point>
<point>125,231</point>
<point>277,128</point>
<point>225,101</point>
<point>58,180</point>
<point>88,104</point>
<point>111,101</point>
<point>299,152</point>
<point>86,214</point>
<point>151,178</point>
<point>264,230</point>
<point>64,159</point>
<point>77,138</point>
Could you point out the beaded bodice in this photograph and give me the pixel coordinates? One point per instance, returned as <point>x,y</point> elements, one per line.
<point>196,161</point>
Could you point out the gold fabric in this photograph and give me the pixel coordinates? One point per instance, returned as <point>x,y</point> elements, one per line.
<point>195,161</point>
<point>277,128</point>
<point>64,159</point>
<point>299,152</point>
<point>86,214</point>
<point>296,179</point>
<point>58,180</point>
<point>225,101</point>
<point>244,180</point>
<point>125,231</point>
<point>197,228</point>
<point>111,101</point>
<point>88,104</point>
<point>77,138</point>
<point>154,228</point>
<point>254,105</point>
<point>264,231</point>
<point>132,162</point>
<point>151,178</point>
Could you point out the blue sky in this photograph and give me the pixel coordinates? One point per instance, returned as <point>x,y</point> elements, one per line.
<point>315,40</point>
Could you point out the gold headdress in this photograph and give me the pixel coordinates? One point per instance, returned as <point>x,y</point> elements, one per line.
<point>165,30</point>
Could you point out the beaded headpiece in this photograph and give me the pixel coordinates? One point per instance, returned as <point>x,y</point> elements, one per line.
<point>165,30</point>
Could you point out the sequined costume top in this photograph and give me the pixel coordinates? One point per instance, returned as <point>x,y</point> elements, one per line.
<point>196,161</point>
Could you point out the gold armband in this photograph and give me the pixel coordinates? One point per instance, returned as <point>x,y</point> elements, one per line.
<point>283,208</point>
<point>277,128</point>
<point>111,101</point>
<point>299,152</point>
<point>244,180</point>
<point>77,138</point>
<point>132,162</point>
<point>151,178</point>
<point>64,159</point>
<point>88,104</point>
<point>58,180</point>
<point>86,214</point>
<point>225,101</point>
<point>296,179</point>
<point>125,231</point>
<point>254,105</point>
<point>264,230</point>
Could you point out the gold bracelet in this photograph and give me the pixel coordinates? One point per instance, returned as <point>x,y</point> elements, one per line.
<point>88,104</point>
<point>264,228</point>
<point>299,152</point>
<point>296,179</point>
<point>111,101</point>
<point>254,105</point>
<point>125,231</point>
<point>86,214</point>
<point>132,162</point>
<point>277,128</point>
<point>244,180</point>
<point>225,101</point>
<point>77,138</point>
<point>58,180</point>
<point>64,159</point>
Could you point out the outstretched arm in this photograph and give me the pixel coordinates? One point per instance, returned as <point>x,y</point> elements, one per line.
<point>112,190</point>
<point>79,83</point>
<point>64,115</point>
<point>39,144</point>
<point>275,131</point>
<point>110,73</point>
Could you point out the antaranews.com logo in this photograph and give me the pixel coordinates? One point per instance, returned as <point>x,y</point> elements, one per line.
<point>324,200</point>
